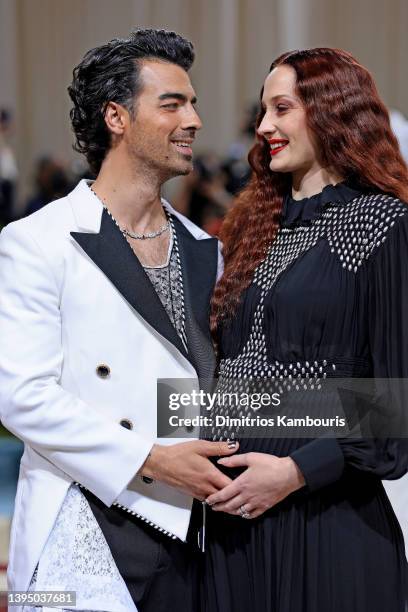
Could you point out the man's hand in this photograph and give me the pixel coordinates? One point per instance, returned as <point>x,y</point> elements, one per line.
<point>266,481</point>
<point>186,466</point>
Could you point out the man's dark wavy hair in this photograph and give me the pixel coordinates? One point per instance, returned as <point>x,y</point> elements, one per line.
<point>111,73</point>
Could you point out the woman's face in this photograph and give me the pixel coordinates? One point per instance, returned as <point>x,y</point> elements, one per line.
<point>284,125</point>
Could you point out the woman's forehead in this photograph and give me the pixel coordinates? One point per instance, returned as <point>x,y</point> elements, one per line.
<point>281,81</point>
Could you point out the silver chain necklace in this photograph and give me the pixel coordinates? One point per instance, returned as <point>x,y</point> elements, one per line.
<point>169,224</point>
<point>128,233</point>
<point>158,232</point>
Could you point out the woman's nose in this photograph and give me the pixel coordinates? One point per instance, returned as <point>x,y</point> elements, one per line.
<point>266,128</point>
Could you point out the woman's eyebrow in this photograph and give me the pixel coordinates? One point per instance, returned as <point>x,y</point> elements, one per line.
<point>282,96</point>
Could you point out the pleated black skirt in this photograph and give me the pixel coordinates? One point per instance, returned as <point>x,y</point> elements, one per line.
<point>338,550</point>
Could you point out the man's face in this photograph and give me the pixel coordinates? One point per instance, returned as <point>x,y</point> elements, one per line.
<point>160,137</point>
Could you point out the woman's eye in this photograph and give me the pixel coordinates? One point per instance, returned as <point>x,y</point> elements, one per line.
<point>281,108</point>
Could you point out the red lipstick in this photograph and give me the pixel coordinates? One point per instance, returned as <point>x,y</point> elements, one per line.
<point>274,142</point>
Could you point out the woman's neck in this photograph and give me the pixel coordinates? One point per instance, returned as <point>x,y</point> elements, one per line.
<point>307,184</point>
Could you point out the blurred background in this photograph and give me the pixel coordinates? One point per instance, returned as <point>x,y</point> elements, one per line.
<point>236,40</point>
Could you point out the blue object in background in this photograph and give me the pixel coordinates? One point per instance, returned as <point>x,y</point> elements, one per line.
<point>11,451</point>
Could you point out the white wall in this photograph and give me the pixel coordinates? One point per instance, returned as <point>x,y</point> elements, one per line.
<point>236,41</point>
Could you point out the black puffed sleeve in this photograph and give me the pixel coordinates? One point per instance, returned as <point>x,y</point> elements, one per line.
<point>322,461</point>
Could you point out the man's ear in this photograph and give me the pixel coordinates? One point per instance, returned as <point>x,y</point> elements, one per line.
<point>116,118</point>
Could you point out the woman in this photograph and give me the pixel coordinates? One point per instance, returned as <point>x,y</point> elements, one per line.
<point>315,281</point>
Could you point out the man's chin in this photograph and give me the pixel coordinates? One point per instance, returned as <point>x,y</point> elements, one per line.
<point>183,169</point>
<point>186,171</point>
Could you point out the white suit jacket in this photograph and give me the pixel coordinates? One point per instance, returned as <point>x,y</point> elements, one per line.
<point>72,297</point>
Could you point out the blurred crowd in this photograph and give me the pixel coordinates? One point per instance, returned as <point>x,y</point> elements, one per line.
<point>204,196</point>
<point>8,169</point>
<point>50,178</point>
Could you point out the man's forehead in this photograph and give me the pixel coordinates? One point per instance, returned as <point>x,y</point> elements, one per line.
<point>161,77</point>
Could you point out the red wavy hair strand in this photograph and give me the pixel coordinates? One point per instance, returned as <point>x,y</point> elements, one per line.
<point>353,134</point>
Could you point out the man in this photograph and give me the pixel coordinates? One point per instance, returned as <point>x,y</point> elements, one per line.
<point>101,293</point>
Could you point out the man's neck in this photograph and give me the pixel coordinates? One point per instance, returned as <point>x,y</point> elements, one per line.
<point>133,199</point>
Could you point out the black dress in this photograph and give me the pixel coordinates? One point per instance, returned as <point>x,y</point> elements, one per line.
<point>331,297</point>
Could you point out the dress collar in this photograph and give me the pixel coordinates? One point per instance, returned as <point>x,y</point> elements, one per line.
<point>298,212</point>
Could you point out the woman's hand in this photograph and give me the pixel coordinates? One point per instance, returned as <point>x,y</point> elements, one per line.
<point>266,481</point>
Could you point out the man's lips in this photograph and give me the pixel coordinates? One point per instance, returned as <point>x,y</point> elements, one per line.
<point>183,146</point>
<point>277,144</point>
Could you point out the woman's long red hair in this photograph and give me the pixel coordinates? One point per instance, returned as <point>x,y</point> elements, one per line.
<point>353,134</point>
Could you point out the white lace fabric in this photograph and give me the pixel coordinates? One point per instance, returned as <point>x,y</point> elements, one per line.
<point>77,558</point>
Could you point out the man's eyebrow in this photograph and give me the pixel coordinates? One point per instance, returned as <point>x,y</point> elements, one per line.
<point>178,96</point>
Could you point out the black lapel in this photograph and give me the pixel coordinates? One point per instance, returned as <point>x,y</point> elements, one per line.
<point>113,255</point>
<point>199,260</point>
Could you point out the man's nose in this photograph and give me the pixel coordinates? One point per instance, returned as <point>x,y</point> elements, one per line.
<point>191,120</point>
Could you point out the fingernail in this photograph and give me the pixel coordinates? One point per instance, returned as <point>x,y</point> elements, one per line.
<point>232,444</point>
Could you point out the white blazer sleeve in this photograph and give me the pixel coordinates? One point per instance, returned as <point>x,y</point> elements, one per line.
<point>72,435</point>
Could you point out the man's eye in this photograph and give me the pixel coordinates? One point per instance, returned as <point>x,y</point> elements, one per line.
<point>171,105</point>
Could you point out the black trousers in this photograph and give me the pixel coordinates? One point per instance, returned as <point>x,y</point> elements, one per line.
<point>161,574</point>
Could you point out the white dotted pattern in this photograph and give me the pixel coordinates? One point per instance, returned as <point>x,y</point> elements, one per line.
<point>353,231</point>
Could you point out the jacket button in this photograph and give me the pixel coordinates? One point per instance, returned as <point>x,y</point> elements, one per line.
<point>126,424</point>
<point>147,480</point>
<point>103,370</point>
